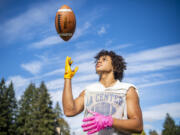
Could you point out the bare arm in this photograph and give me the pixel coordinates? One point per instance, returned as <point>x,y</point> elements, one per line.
<point>71,106</point>
<point>134,123</point>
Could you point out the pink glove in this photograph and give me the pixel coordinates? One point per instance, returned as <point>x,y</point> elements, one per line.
<point>96,122</point>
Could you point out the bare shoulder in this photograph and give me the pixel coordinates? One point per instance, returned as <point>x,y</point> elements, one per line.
<point>80,98</point>
<point>82,93</point>
<point>132,93</point>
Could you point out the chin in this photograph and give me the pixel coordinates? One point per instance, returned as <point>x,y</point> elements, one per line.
<point>98,72</point>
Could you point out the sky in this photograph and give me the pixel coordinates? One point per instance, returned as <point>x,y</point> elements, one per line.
<point>145,32</point>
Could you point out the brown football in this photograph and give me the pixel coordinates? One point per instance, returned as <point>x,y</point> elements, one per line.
<point>65,22</point>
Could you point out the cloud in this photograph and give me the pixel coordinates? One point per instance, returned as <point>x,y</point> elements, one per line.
<point>20,83</point>
<point>158,112</point>
<point>86,67</point>
<point>81,45</point>
<point>54,72</point>
<point>152,66</point>
<point>55,84</point>
<point>33,67</point>
<point>43,63</point>
<point>81,31</point>
<point>75,124</point>
<point>145,78</point>
<point>101,31</point>
<point>154,59</point>
<point>87,77</point>
<point>49,41</point>
<point>121,46</point>
<point>90,54</point>
<point>37,19</point>
<point>31,22</point>
<point>165,52</point>
<point>54,40</point>
<point>158,83</point>
<point>86,56</point>
<point>56,96</point>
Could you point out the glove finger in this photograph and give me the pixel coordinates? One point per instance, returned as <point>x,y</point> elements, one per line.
<point>92,131</point>
<point>88,119</point>
<point>94,113</point>
<point>67,59</point>
<point>88,124</point>
<point>89,128</point>
<point>70,62</point>
<point>75,70</point>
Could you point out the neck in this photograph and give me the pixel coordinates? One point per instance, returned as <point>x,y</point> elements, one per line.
<point>107,79</point>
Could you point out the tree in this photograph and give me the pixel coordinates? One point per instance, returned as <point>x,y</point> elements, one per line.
<point>169,127</point>
<point>178,129</point>
<point>3,119</point>
<point>60,122</point>
<point>58,111</point>
<point>153,132</point>
<point>11,109</point>
<point>36,116</point>
<point>8,107</point>
<point>47,116</point>
<point>65,130</point>
<point>25,118</point>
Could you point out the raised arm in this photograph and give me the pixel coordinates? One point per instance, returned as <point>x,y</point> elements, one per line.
<point>71,106</point>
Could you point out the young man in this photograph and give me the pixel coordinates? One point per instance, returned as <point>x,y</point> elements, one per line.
<point>111,107</point>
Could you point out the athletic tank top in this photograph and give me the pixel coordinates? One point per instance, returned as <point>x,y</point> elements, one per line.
<point>107,101</point>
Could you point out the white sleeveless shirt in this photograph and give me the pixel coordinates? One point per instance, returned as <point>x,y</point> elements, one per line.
<point>107,101</point>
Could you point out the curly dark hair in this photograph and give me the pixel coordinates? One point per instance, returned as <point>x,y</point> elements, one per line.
<point>118,63</point>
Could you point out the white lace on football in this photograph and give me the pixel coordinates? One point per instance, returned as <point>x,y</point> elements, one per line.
<point>64,10</point>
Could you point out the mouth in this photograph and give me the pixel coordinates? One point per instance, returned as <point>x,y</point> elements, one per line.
<point>98,65</point>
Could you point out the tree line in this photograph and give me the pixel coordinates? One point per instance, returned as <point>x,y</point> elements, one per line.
<point>33,114</point>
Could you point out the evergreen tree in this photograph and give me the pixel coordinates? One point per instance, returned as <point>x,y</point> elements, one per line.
<point>60,122</point>
<point>169,126</point>
<point>58,111</point>
<point>153,132</point>
<point>178,129</point>
<point>11,109</point>
<point>47,116</point>
<point>64,127</point>
<point>36,115</point>
<point>8,107</point>
<point>3,117</point>
<point>24,120</point>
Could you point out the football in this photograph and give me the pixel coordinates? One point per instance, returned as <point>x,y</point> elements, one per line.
<point>65,22</point>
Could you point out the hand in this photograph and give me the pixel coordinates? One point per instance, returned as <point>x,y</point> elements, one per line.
<point>96,122</point>
<point>68,72</point>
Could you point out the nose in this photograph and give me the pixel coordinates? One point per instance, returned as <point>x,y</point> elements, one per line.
<point>99,61</point>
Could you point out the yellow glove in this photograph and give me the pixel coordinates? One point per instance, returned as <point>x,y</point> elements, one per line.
<point>68,72</point>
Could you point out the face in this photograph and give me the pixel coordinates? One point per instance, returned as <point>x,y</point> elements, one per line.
<point>104,64</point>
